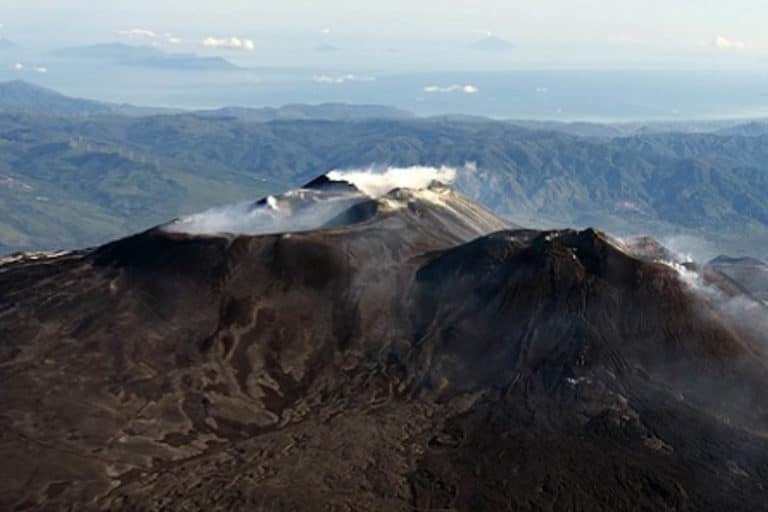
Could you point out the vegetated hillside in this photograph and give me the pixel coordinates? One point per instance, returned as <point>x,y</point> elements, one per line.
<point>59,190</point>
<point>18,96</point>
<point>417,357</point>
<point>709,186</point>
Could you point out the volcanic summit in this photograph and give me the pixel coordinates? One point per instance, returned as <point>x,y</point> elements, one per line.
<point>335,349</point>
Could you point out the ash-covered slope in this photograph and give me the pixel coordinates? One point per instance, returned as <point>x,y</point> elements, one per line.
<point>413,352</point>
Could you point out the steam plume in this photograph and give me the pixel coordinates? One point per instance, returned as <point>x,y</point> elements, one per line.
<point>376,184</point>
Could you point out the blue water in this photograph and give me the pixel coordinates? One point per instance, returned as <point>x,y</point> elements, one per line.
<point>559,95</point>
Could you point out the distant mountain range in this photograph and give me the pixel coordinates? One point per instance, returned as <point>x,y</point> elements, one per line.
<point>77,172</point>
<point>6,44</point>
<point>21,96</point>
<point>750,129</point>
<point>147,57</point>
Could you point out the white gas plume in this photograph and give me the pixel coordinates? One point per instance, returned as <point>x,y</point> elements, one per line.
<point>749,312</point>
<point>376,183</point>
<point>298,210</point>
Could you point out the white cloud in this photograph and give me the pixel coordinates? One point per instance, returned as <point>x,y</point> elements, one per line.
<point>729,44</point>
<point>232,42</point>
<point>142,34</point>
<point>326,31</point>
<point>340,79</point>
<point>466,89</point>
<point>138,33</point>
<point>23,67</point>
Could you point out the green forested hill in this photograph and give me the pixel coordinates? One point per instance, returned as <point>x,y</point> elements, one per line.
<point>68,181</point>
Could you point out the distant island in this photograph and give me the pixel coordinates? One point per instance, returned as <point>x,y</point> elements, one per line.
<point>492,44</point>
<point>147,57</point>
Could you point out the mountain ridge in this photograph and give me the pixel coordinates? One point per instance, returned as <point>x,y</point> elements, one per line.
<point>21,96</point>
<point>112,170</point>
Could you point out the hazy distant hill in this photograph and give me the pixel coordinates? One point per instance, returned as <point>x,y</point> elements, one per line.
<point>322,112</point>
<point>751,129</point>
<point>628,129</point>
<point>148,57</point>
<point>21,96</point>
<point>6,44</point>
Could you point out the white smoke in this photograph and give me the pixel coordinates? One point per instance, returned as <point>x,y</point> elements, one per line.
<point>298,210</point>
<point>377,183</point>
<point>688,248</point>
<point>308,209</point>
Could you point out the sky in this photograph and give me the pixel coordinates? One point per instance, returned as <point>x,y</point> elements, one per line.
<point>412,35</point>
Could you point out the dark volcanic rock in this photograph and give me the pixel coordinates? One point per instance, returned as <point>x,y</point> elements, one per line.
<point>420,356</point>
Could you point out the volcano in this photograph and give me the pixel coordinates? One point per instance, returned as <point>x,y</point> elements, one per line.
<point>409,351</point>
